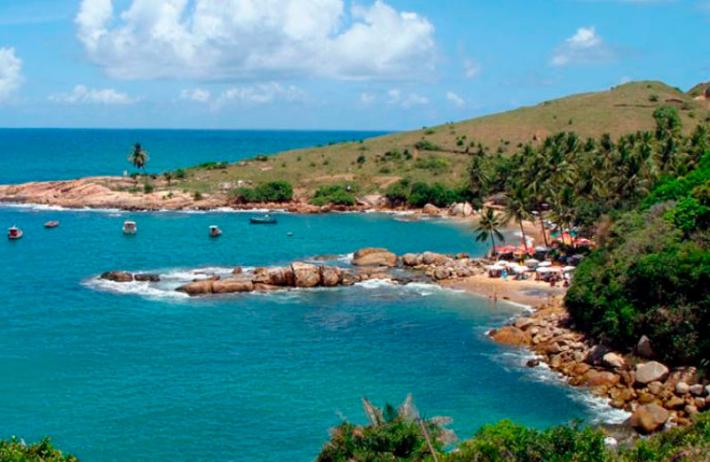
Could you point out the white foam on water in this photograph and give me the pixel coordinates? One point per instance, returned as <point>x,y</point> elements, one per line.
<point>55,208</point>
<point>148,290</point>
<point>376,283</point>
<point>600,409</point>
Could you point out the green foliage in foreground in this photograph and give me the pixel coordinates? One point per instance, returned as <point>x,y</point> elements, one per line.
<point>16,450</point>
<point>273,191</point>
<point>398,439</point>
<point>336,194</point>
<point>652,276</point>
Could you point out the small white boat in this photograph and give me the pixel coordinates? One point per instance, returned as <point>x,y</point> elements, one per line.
<point>129,227</point>
<point>215,231</point>
<point>51,224</point>
<point>14,233</point>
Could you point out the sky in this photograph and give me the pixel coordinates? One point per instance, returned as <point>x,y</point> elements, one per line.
<point>329,64</point>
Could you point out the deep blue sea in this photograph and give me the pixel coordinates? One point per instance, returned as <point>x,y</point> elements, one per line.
<point>126,373</point>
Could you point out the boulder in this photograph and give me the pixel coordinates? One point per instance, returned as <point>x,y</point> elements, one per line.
<point>232,285</point>
<point>237,270</point>
<point>461,209</point>
<point>147,277</point>
<point>117,276</point>
<point>523,322</point>
<point>643,347</point>
<point>282,277</point>
<point>596,354</point>
<point>613,361</point>
<point>533,362</point>
<point>697,390</point>
<point>410,259</point>
<point>431,258</point>
<point>649,418</point>
<point>374,257</point>
<point>674,403</point>
<point>655,388</point>
<point>431,209</point>
<point>595,378</point>
<point>682,388</point>
<point>442,273</point>
<point>197,287</point>
<point>305,275</point>
<point>331,276</point>
<point>690,409</point>
<point>510,335</point>
<point>651,371</point>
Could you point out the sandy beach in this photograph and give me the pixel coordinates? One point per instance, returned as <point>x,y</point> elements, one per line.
<point>528,292</point>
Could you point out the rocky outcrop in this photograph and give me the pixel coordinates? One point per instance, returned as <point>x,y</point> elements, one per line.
<point>650,391</point>
<point>374,257</point>
<point>461,209</point>
<point>144,277</point>
<point>117,276</point>
<point>305,275</point>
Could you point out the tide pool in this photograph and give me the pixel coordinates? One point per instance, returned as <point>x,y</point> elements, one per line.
<point>154,376</point>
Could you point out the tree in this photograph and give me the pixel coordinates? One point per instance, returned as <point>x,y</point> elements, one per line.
<point>516,208</point>
<point>489,227</point>
<point>139,156</point>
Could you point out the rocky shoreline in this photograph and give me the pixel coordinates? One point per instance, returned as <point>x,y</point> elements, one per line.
<point>122,193</point>
<point>656,396</point>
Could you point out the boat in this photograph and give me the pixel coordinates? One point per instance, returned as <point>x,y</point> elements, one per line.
<point>51,224</point>
<point>263,220</point>
<point>14,233</point>
<point>215,231</point>
<point>129,227</point>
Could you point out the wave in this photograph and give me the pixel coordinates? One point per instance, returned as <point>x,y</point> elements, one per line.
<point>144,289</point>
<point>57,208</point>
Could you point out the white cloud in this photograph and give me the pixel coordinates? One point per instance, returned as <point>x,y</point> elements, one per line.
<point>263,93</point>
<point>471,68</point>
<point>455,99</point>
<point>238,39</point>
<point>81,94</point>
<point>197,95</point>
<point>625,79</point>
<point>395,97</point>
<point>10,72</point>
<point>585,46</point>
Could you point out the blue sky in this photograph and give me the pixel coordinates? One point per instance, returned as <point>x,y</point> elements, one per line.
<point>329,64</point>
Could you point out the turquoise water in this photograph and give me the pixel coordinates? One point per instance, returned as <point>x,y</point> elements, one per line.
<point>58,154</point>
<point>150,376</point>
<point>116,373</point>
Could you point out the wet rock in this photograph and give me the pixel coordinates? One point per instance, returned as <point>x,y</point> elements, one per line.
<point>374,257</point>
<point>237,270</point>
<point>651,372</point>
<point>147,277</point>
<point>613,361</point>
<point>117,276</point>
<point>534,362</point>
<point>649,418</point>
<point>230,286</point>
<point>643,347</point>
<point>510,335</point>
<point>305,275</point>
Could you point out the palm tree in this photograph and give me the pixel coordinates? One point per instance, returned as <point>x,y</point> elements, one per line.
<point>516,209</point>
<point>489,226</point>
<point>139,156</point>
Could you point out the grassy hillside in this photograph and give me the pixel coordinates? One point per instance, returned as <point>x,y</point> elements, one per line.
<point>441,153</point>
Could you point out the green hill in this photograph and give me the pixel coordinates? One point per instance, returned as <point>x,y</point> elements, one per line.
<point>440,153</point>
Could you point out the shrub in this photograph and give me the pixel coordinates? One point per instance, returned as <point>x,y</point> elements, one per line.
<point>339,194</point>
<point>148,188</point>
<point>653,98</point>
<point>213,165</point>
<point>273,191</point>
<point>433,163</point>
<point>42,451</point>
<point>361,159</point>
<point>426,145</point>
<point>180,174</point>
<point>197,196</point>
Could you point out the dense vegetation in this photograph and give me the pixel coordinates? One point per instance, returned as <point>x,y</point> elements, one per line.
<point>418,194</point>
<point>652,275</point>
<point>335,194</point>
<point>401,437</point>
<point>272,191</point>
<point>15,450</point>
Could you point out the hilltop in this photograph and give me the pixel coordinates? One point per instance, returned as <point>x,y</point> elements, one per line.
<point>440,153</point>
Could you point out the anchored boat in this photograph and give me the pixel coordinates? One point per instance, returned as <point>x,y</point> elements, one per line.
<point>215,231</point>
<point>263,220</point>
<point>14,233</point>
<point>130,227</point>
<point>51,224</point>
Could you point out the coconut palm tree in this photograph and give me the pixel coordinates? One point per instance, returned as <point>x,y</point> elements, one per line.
<point>516,209</point>
<point>139,156</point>
<point>489,227</point>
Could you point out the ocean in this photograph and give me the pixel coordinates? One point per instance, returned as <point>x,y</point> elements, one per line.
<point>132,372</point>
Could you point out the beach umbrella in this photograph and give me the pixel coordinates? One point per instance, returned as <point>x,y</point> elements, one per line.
<point>545,264</point>
<point>567,269</point>
<point>532,263</point>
